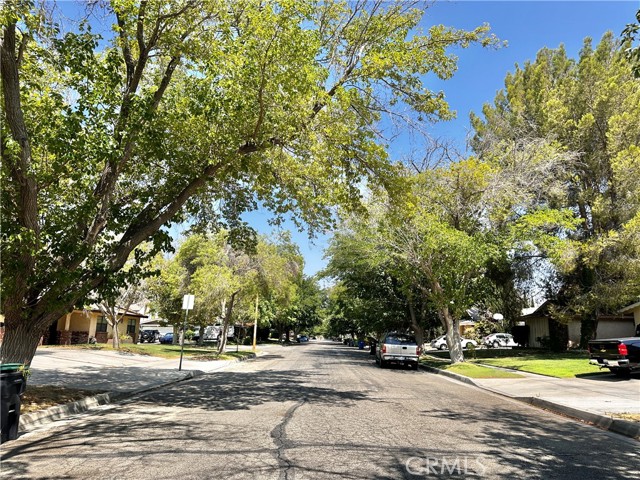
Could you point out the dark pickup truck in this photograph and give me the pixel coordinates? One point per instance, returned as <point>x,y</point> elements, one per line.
<point>620,355</point>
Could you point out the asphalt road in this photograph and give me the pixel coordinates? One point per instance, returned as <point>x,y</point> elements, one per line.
<point>315,411</point>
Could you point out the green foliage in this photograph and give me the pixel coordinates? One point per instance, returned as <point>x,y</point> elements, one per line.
<point>579,209</point>
<point>632,51</point>
<point>194,112</point>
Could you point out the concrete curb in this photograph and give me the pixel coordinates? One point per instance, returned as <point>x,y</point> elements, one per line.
<point>58,412</point>
<point>622,427</point>
<point>455,376</point>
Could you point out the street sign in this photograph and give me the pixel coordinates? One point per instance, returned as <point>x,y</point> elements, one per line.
<point>187,302</point>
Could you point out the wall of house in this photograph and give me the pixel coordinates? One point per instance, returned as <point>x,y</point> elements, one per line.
<point>122,328</point>
<point>615,328</point>
<point>79,322</point>
<point>538,327</point>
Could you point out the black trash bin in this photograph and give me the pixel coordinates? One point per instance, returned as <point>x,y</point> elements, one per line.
<point>13,384</point>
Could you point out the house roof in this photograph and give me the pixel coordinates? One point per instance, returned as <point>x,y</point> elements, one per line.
<point>630,308</point>
<point>543,311</point>
<point>128,313</point>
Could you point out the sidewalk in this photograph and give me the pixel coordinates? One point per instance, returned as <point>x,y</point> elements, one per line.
<point>117,374</point>
<point>592,400</point>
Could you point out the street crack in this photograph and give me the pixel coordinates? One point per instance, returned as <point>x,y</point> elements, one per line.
<point>279,436</point>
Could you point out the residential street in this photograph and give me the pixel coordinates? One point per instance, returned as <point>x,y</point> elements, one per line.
<point>319,410</point>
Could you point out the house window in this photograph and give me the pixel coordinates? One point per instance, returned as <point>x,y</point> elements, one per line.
<point>131,327</point>
<point>101,326</point>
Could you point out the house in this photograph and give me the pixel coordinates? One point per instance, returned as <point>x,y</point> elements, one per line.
<point>635,310</point>
<point>79,326</point>
<point>155,323</point>
<point>465,326</point>
<point>540,325</point>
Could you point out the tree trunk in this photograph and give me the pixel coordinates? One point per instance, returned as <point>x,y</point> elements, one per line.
<point>450,324</point>
<point>588,329</point>
<point>417,328</point>
<point>225,328</point>
<point>20,343</point>
<point>453,336</point>
<point>116,337</point>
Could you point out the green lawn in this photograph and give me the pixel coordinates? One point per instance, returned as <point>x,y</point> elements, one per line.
<point>561,365</point>
<point>469,369</point>
<point>192,352</point>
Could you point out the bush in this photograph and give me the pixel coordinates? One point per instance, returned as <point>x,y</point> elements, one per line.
<point>188,335</point>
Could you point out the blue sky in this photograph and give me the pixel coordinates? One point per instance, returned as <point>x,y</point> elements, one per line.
<point>527,27</point>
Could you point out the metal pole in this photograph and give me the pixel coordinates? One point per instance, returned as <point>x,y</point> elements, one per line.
<point>184,329</point>
<point>255,326</point>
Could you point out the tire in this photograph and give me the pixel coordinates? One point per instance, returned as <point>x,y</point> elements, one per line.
<point>382,363</point>
<point>442,347</point>
<point>414,366</point>
<point>495,344</point>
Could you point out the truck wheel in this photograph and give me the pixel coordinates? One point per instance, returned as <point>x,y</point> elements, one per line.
<point>442,347</point>
<point>382,363</point>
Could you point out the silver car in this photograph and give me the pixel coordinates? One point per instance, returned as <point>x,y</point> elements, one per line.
<point>398,348</point>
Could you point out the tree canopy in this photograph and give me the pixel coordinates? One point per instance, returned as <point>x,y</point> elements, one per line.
<point>192,110</point>
<point>585,110</point>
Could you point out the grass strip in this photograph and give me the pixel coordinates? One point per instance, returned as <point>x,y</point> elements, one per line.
<point>543,362</point>
<point>470,370</point>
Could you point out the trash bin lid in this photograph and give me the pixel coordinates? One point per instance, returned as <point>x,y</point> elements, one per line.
<point>10,367</point>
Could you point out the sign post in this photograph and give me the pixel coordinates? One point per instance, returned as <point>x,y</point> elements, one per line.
<point>187,304</point>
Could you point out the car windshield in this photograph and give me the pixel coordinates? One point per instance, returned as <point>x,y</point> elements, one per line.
<point>399,339</point>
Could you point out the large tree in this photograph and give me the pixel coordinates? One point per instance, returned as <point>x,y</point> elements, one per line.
<point>191,110</point>
<point>586,109</point>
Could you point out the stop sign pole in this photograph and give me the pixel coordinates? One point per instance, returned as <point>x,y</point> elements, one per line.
<point>187,304</point>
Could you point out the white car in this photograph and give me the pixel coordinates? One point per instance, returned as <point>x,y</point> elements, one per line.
<point>497,340</point>
<point>441,343</point>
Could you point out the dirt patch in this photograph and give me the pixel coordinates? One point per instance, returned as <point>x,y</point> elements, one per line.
<point>39,397</point>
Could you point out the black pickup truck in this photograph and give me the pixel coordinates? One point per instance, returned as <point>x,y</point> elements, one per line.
<point>620,355</point>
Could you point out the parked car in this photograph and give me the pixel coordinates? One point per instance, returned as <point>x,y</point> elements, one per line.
<point>150,336</point>
<point>302,338</point>
<point>399,348</point>
<point>167,338</point>
<point>496,340</point>
<point>620,355</point>
<point>441,342</point>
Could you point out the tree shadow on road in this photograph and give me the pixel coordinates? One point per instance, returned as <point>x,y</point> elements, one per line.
<point>242,390</point>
